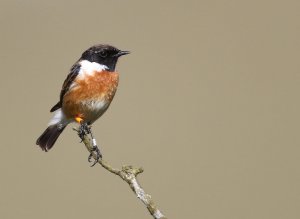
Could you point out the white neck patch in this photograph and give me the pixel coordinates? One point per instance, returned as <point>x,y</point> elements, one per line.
<point>90,68</point>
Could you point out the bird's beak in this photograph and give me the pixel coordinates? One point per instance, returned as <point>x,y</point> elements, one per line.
<point>121,53</point>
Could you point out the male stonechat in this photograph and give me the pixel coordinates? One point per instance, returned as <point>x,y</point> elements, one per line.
<point>86,93</point>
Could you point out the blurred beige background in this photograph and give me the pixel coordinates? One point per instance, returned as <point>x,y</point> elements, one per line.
<point>208,104</point>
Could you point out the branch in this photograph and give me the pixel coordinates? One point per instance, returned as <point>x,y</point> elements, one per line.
<point>128,174</point>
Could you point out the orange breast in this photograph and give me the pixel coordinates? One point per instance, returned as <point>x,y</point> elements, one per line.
<point>97,90</point>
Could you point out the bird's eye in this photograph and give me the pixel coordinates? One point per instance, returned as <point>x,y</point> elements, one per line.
<point>103,53</point>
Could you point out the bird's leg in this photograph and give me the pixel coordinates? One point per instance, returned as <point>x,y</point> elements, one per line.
<point>85,129</point>
<point>94,149</point>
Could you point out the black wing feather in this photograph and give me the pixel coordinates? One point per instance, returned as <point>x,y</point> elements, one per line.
<point>67,83</point>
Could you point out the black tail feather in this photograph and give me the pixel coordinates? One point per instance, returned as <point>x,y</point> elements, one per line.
<point>49,137</point>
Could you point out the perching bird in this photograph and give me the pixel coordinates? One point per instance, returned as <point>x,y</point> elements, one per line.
<point>86,93</point>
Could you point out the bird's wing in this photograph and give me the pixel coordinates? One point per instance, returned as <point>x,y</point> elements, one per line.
<point>66,85</point>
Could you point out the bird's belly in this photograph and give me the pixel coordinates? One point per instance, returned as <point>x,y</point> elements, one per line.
<point>89,109</point>
<point>93,109</point>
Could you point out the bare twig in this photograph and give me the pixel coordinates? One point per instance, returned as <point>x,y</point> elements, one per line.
<point>128,174</point>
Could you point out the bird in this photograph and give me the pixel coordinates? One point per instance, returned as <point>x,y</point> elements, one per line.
<point>86,94</point>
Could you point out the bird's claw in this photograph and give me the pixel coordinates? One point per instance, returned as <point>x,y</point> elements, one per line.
<point>98,155</point>
<point>84,129</point>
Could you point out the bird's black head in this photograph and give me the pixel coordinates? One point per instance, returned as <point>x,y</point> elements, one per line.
<point>103,54</point>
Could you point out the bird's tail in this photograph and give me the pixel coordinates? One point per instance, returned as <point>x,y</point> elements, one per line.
<point>49,136</point>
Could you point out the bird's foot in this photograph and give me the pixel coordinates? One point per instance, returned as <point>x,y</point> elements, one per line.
<point>98,155</point>
<point>84,129</point>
